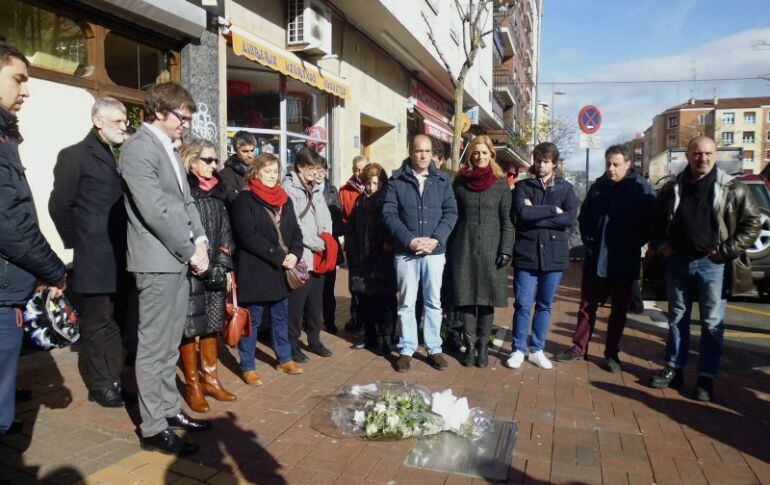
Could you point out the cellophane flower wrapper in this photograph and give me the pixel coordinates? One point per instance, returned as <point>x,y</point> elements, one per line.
<point>402,410</point>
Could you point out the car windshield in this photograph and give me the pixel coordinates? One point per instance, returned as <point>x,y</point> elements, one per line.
<point>760,194</point>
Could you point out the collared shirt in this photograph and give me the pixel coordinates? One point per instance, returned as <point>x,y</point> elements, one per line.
<point>547,182</point>
<point>170,151</point>
<point>421,178</point>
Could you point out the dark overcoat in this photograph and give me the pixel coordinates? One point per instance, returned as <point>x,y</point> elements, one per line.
<point>259,256</point>
<point>206,311</point>
<point>86,206</point>
<point>484,230</point>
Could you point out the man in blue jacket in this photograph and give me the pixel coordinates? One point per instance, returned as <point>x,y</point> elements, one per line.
<point>544,208</point>
<point>420,212</point>
<point>26,257</point>
<point>615,223</point>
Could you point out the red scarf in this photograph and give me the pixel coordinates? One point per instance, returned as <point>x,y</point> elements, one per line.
<point>478,179</point>
<point>326,260</point>
<point>206,184</point>
<point>275,196</point>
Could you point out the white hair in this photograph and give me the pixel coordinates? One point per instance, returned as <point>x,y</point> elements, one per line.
<point>103,104</point>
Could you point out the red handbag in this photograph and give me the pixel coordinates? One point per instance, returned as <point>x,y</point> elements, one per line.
<point>237,319</point>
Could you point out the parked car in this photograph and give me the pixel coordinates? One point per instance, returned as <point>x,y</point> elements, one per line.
<point>653,270</point>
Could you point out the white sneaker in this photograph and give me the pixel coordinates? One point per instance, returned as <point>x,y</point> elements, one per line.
<point>539,359</point>
<point>515,360</point>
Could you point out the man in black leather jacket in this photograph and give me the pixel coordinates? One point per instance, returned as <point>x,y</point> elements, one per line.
<point>703,224</point>
<point>26,258</point>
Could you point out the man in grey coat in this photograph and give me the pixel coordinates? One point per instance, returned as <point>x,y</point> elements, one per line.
<point>165,236</point>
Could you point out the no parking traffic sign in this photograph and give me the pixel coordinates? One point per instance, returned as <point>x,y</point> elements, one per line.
<point>590,119</point>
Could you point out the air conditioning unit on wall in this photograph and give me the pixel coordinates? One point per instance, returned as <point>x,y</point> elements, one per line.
<point>310,27</point>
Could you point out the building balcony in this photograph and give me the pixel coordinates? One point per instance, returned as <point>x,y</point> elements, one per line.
<point>504,87</point>
<point>503,27</point>
<point>497,112</point>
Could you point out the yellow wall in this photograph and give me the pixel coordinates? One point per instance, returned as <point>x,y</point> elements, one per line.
<point>46,130</point>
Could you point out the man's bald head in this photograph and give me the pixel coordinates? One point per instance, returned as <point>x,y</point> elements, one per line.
<point>420,153</point>
<point>701,156</point>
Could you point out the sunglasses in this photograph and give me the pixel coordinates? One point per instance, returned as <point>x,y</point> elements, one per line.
<point>209,160</point>
<point>182,118</point>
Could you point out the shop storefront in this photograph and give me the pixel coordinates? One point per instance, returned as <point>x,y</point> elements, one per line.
<point>430,115</point>
<point>285,102</point>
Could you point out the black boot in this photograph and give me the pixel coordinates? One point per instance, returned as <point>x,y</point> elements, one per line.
<point>470,350</point>
<point>485,320</point>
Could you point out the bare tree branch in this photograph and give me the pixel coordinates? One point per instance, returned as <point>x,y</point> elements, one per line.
<point>438,50</point>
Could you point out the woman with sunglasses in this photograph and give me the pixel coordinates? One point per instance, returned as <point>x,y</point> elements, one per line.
<point>206,310</point>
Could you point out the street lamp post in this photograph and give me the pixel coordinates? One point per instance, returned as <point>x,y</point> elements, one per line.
<point>554,93</point>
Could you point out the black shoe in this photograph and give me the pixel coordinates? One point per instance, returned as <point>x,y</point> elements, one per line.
<point>404,363</point>
<point>668,377</point>
<point>109,397</point>
<point>438,361</point>
<point>331,328</point>
<point>183,421</point>
<point>16,427</point>
<point>613,364</point>
<point>169,443</point>
<point>298,356</point>
<point>483,358</point>
<point>359,345</point>
<point>704,389</point>
<point>469,358</point>
<point>321,350</point>
<point>353,326</point>
<point>637,310</point>
<point>569,356</point>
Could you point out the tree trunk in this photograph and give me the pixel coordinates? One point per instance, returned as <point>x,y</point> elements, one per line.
<point>458,124</point>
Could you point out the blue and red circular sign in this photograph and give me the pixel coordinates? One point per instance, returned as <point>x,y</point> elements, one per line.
<point>590,119</point>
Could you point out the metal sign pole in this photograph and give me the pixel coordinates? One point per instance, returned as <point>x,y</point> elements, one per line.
<point>588,179</point>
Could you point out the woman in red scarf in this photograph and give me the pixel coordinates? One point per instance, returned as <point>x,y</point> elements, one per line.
<point>480,247</point>
<point>206,310</point>
<point>259,212</point>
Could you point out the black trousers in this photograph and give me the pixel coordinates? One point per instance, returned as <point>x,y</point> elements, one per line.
<point>306,303</point>
<point>100,340</point>
<point>330,302</point>
<point>477,323</point>
<point>378,313</point>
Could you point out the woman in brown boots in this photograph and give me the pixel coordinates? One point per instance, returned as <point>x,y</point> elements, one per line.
<point>206,311</point>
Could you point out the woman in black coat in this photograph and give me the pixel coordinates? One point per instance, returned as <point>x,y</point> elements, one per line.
<point>480,247</point>
<point>206,311</point>
<point>262,257</point>
<point>371,262</point>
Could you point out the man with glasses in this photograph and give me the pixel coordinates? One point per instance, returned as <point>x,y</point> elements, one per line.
<point>86,206</point>
<point>165,242</point>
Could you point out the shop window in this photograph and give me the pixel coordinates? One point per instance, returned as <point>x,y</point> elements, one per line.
<point>49,40</point>
<point>135,65</point>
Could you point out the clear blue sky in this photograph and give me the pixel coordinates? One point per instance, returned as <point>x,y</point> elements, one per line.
<point>584,40</point>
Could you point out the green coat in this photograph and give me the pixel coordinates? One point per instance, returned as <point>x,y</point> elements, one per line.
<point>483,231</point>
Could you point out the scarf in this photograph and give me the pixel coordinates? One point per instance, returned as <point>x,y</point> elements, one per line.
<point>275,196</point>
<point>477,179</point>
<point>10,124</point>
<point>326,260</point>
<point>356,185</point>
<point>206,184</point>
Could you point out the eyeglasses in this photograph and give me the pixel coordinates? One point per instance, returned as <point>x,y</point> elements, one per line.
<point>209,160</point>
<point>120,122</point>
<point>182,118</point>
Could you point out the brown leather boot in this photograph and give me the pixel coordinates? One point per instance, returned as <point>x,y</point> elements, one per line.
<point>211,385</point>
<point>193,391</point>
<point>289,367</point>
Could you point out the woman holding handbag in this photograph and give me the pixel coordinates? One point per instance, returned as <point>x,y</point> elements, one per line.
<point>269,244</point>
<point>206,310</point>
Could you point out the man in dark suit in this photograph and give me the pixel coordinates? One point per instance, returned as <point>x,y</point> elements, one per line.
<point>86,206</point>
<point>26,258</point>
<point>165,241</point>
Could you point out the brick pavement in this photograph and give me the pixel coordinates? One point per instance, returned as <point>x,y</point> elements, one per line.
<point>577,423</point>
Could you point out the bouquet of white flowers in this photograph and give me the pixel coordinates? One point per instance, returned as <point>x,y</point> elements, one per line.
<point>400,410</point>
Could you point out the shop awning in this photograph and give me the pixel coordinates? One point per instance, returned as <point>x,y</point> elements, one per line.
<point>252,47</point>
<point>434,127</point>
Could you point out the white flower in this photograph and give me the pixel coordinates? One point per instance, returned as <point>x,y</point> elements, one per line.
<point>379,408</point>
<point>371,429</point>
<point>392,420</point>
<point>359,417</point>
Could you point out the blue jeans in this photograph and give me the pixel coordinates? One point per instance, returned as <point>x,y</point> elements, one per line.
<point>684,280</point>
<point>279,329</point>
<point>10,347</point>
<point>526,284</point>
<point>412,271</point>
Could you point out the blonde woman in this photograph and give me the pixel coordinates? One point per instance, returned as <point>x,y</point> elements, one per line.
<point>206,310</point>
<point>480,247</point>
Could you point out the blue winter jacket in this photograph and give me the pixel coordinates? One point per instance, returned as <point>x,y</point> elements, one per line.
<point>408,215</point>
<point>542,235</point>
<point>615,222</point>
<point>25,255</point>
